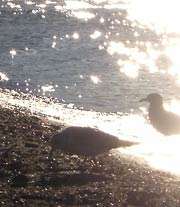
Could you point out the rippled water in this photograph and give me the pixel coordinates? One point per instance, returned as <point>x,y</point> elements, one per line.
<point>98,55</point>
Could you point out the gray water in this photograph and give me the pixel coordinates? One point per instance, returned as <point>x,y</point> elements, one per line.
<point>42,45</point>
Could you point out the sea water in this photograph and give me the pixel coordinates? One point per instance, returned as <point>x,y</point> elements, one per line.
<point>93,61</point>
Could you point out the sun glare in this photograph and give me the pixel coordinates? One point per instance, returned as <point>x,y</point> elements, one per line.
<point>158,15</point>
<point>131,59</point>
<point>172,52</point>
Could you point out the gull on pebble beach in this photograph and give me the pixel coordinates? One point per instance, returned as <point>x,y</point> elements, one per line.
<point>165,122</point>
<point>86,141</point>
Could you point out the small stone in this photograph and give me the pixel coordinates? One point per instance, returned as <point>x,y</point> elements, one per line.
<point>32,145</point>
<point>19,181</point>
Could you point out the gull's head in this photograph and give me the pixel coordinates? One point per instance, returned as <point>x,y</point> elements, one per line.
<point>153,98</point>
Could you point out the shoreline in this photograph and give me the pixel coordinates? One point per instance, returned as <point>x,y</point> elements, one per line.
<point>29,178</point>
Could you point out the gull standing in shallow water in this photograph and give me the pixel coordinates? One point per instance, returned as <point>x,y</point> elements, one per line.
<point>86,141</point>
<point>165,122</point>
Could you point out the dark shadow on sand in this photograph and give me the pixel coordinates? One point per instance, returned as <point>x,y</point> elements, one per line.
<point>72,179</point>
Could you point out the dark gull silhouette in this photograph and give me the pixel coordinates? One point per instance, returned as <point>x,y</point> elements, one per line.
<point>165,122</point>
<point>86,141</point>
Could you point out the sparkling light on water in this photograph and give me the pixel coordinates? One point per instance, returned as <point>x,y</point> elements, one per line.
<point>128,68</point>
<point>159,15</point>
<point>3,77</point>
<point>172,52</point>
<point>95,35</point>
<point>83,15</point>
<point>13,53</point>
<point>29,2</point>
<point>134,58</point>
<point>74,5</point>
<point>75,35</point>
<point>13,5</point>
<point>48,88</point>
<point>95,79</point>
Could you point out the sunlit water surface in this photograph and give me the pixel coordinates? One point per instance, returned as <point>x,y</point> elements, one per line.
<point>96,59</point>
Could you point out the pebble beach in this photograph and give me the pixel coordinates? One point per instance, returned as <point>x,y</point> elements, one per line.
<point>28,177</point>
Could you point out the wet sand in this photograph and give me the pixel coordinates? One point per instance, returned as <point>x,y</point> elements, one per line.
<point>28,177</point>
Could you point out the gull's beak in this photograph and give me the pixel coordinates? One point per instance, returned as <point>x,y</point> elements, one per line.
<point>144,99</point>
